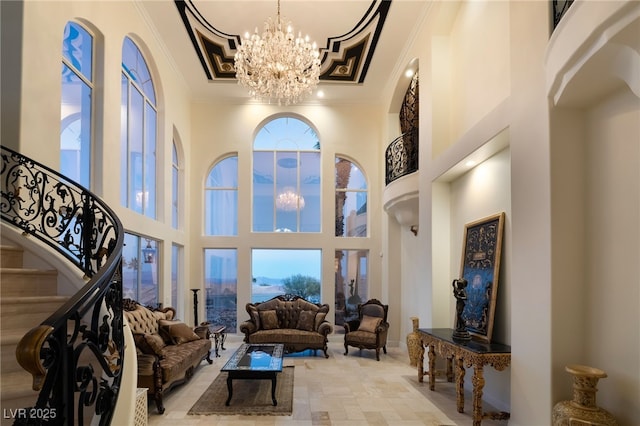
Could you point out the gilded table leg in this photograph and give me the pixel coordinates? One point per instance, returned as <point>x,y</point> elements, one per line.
<point>478,384</point>
<point>460,384</point>
<point>421,363</point>
<point>432,367</point>
<point>450,369</point>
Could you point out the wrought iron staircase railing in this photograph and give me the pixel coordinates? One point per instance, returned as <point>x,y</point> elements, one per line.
<point>76,355</point>
<point>401,156</point>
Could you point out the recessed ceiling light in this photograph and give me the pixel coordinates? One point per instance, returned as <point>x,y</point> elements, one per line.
<point>408,73</point>
<point>320,94</point>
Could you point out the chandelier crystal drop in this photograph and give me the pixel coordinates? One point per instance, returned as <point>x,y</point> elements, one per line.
<point>289,200</point>
<point>277,66</point>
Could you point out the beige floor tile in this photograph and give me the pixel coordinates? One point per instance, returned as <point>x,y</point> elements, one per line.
<point>341,390</point>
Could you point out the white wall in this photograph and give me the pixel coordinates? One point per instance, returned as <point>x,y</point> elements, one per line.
<point>612,290</point>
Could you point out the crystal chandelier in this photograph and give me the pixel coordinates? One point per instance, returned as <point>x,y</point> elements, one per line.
<point>289,200</point>
<point>277,65</point>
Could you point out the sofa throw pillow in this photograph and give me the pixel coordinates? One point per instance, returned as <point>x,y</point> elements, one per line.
<point>178,331</point>
<point>306,320</point>
<point>369,323</point>
<point>155,342</point>
<point>269,319</point>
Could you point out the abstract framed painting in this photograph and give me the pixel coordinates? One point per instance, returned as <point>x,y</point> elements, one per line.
<point>481,252</point>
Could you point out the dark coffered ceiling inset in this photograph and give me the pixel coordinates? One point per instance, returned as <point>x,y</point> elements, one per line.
<point>345,58</point>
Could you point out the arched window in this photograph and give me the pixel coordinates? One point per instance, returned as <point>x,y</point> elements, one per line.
<point>351,199</point>
<point>138,133</point>
<point>221,198</point>
<point>76,105</point>
<point>286,177</point>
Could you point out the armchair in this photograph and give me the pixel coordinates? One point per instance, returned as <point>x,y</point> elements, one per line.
<point>369,331</point>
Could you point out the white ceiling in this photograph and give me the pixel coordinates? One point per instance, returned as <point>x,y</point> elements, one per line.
<point>319,19</point>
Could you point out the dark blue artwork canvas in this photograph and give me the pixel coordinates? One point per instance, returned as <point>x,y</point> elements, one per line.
<point>481,267</point>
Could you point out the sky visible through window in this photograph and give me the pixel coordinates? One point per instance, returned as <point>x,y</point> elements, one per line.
<point>270,267</point>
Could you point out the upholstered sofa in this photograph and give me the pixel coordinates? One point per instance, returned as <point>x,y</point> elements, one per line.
<point>288,319</point>
<point>168,350</point>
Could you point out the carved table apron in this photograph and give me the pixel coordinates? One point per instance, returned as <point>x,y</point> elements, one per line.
<point>465,354</point>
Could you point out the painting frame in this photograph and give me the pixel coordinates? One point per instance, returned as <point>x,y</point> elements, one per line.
<point>480,266</point>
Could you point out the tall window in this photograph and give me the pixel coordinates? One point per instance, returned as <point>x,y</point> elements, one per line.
<point>351,200</point>
<point>221,198</point>
<point>280,271</point>
<point>138,133</point>
<point>352,283</point>
<point>76,106</point>
<point>140,269</point>
<point>176,278</point>
<point>175,188</point>
<point>286,177</point>
<point>221,287</point>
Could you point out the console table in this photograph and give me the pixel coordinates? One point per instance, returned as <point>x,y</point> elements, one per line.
<point>465,354</point>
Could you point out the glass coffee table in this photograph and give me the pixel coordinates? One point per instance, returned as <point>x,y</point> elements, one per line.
<point>255,361</point>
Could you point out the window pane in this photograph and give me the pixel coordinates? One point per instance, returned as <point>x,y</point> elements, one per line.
<point>263,184</point>
<point>351,200</point>
<point>278,272</point>
<point>130,263</point>
<point>224,174</point>
<point>286,133</point>
<point>136,68</point>
<point>136,174</point>
<point>76,105</point>
<point>221,198</point>
<point>310,189</point>
<point>221,208</point>
<point>175,172</point>
<point>176,266</point>
<point>221,282</point>
<point>174,198</point>
<point>148,289</point>
<point>77,49</point>
<point>140,270</point>
<point>149,200</point>
<point>352,285</point>
<point>124,141</point>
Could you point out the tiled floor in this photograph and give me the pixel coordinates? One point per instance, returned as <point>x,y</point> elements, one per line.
<point>341,390</point>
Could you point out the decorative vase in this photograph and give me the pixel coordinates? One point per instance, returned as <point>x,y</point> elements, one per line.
<point>414,343</point>
<point>582,409</point>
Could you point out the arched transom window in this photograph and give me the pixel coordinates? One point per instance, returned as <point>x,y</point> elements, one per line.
<point>286,177</point>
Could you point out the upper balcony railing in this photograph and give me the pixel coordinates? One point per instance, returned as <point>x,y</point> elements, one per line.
<point>401,156</point>
<point>76,355</point>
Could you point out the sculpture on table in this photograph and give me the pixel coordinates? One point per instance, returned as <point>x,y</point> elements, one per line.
<point>460,293</point>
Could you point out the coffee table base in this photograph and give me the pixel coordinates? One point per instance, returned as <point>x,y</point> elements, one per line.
<point>252,375</point>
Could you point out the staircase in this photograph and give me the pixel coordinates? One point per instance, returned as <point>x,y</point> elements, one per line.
<point>27,297</point>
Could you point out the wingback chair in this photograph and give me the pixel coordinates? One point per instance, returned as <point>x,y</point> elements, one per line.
<point>369,331</point>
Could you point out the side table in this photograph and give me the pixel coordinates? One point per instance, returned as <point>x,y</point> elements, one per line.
<point>219,336</point>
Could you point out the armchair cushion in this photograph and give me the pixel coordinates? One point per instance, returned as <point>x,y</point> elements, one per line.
<point>369,324</point>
